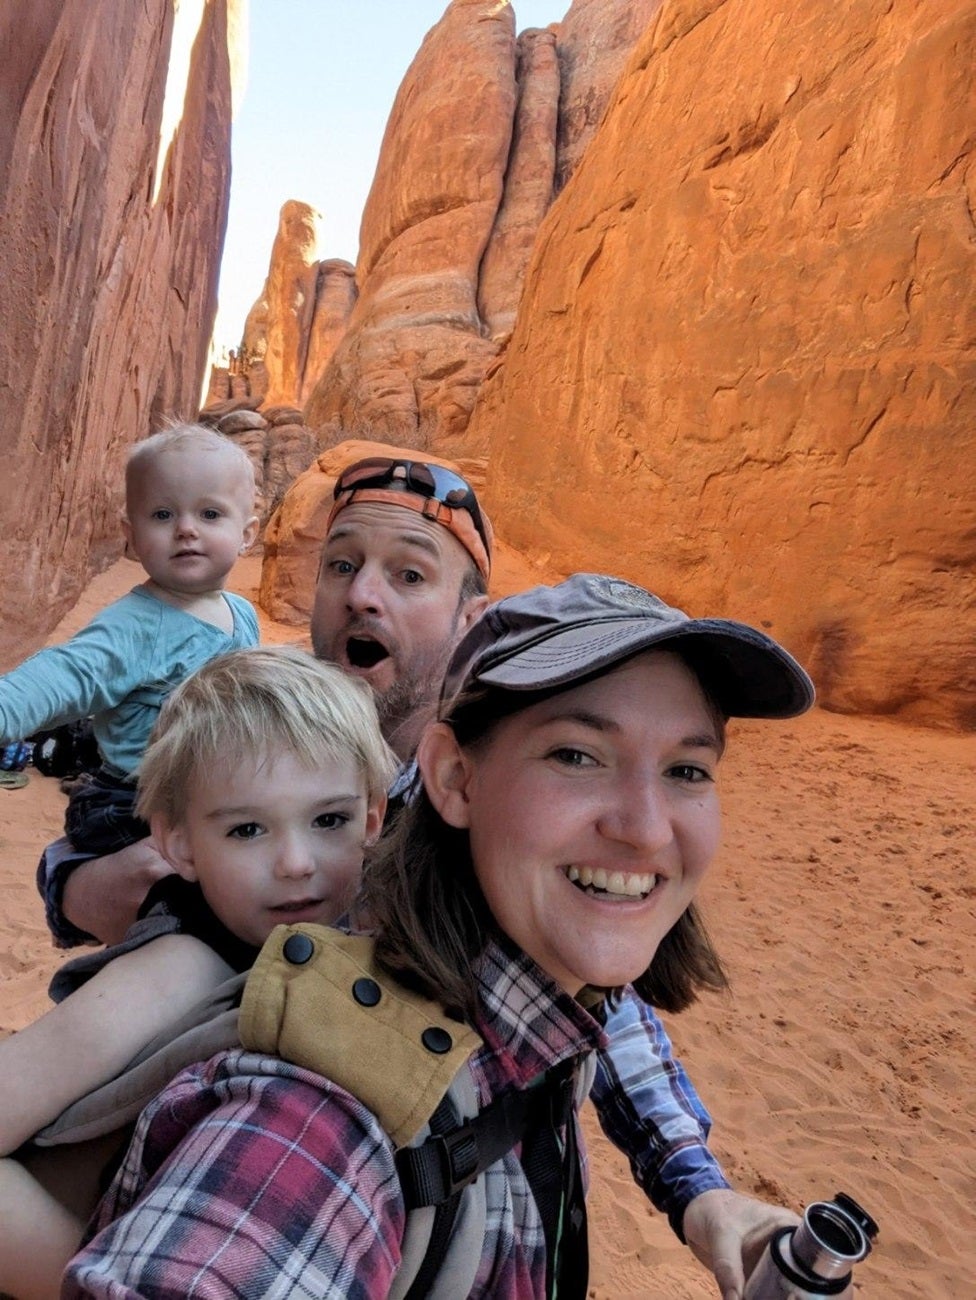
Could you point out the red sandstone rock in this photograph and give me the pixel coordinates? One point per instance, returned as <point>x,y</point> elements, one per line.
<point>289,300</point>
<point>528,183</point>
<point>279,453</point>
<point>111,222</point>
<point>595,40</point>
<point>411,362</point>
<point>742,371</point>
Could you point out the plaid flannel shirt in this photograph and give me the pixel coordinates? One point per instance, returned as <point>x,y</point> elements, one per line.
<point>648,1108</point>
<point>249,1178</point>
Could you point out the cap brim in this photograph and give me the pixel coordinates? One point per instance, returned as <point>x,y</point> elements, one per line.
<point>750,675</point>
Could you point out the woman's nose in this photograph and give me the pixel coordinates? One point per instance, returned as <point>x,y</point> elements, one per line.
<point>640,817</point>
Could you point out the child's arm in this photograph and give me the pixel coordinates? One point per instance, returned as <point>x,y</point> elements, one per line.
<point>94,671</point>
<point>37,1236</point>
<point>87,1039</point>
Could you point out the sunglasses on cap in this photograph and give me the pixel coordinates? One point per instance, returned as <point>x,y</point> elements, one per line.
<point>433,482</point>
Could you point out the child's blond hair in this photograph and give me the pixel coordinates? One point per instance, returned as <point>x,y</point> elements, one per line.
<point>249,701</point>
<point>180,437</point>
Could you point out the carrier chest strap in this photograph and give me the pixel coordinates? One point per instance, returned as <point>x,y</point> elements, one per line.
<point>448,1161</point>
<point>436,1172</point>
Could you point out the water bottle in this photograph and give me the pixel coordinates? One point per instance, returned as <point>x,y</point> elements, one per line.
<point>814,1259</point>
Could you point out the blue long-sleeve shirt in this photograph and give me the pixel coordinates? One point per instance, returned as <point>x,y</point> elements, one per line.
<point>119,668</point>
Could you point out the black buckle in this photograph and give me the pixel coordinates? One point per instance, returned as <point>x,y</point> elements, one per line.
<point>458,1152</point>
<point>439,1168</point>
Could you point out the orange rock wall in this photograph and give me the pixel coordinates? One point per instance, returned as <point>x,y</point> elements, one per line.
<point>290,295</point>
<point>113,203</point>
<point>743,371</point>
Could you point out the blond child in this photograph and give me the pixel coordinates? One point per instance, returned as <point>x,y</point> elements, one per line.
<point>189,514</point>
<point>264,782</point>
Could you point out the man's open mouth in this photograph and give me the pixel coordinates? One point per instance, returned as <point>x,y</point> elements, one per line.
<point>364,652</point>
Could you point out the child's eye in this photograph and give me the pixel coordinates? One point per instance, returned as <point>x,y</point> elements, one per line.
<point>162,515</point>
<point>244,831</point>
<point>210,515</point>
<point>330,821</point>
<point>571,757</point>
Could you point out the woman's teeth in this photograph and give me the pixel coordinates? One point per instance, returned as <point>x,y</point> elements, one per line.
<point>627,884</point>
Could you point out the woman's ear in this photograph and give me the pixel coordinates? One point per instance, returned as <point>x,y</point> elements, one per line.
<point>173,843</point>
<point>446,771</point>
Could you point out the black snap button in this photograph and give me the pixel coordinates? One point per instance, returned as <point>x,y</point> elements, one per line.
<point>437,1040</point>
<point>366,992</point>
<point>298,949</point>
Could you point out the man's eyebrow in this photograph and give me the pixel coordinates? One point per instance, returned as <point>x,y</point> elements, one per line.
<point>357,532</point>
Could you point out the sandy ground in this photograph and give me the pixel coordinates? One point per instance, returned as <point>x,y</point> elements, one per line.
<point>843,902</point>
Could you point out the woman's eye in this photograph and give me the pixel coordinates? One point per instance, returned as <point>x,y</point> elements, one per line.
<point>245,831</point>
<point>690,773</point>
<point>330,821</point>
<point>570,757</point>
<point>342,567</point>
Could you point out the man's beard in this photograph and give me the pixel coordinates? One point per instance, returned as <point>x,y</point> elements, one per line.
<point>413,697</point>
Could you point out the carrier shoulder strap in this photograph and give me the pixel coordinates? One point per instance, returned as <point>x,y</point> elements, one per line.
<point>394,1049</point>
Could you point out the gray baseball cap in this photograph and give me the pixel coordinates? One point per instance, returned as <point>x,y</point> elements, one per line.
<point>550,637</point>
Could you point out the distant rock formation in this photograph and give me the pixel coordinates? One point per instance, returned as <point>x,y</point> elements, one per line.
<point>410,364</point>
<point>302,312</point>
<point>742,370</point>
<point>114,175</point>
<point>466,173</point>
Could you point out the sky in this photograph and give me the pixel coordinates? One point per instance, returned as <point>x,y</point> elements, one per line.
<point>322,77</point>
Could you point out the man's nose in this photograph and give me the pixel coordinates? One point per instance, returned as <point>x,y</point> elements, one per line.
<point>365,592</point>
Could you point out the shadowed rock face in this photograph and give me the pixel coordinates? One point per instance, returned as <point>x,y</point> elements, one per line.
<point>114,190</point>
<point>742,371</point>
<point>595,41</point>
<point>528,183</point>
